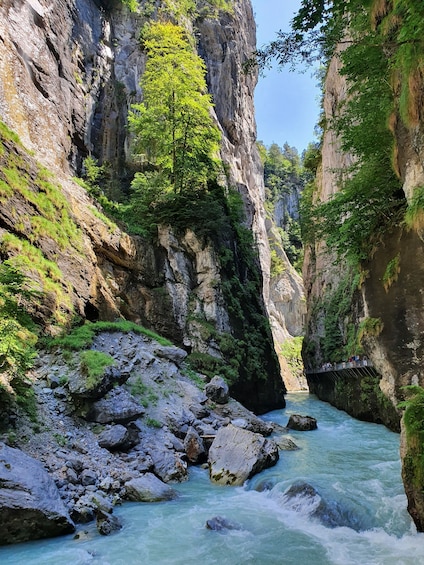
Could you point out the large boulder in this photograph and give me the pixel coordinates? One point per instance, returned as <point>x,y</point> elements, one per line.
<point>118,406</point>
<point>302,423</point>
<point>119,438</point>
<point>237,413</point>
<point>237,454</point>
<point>168,463</point>
<point>171,353</point>
<point>83,388</point>
<point>303,497</point>
<point>217,390</point>
<point>30,505</point>
<point>148,488</point>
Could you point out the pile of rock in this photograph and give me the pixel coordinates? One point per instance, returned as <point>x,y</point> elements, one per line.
<point>104,444</point>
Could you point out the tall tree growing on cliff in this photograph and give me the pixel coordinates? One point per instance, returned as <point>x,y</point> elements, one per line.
<point>173,126</point>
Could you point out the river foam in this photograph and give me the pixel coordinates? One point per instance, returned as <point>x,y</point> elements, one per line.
<point>353,466</point>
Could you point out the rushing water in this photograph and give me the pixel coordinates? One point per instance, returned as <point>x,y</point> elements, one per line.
<point>353,465</point>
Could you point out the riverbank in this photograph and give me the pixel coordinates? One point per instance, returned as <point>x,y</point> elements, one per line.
<point>147,415</point>
<point>350,463</point>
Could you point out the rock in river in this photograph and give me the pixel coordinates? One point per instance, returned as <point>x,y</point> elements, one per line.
<point>237,454</point>
<point>30,505</point>
<point>302,423</point>
<point>148,488</point>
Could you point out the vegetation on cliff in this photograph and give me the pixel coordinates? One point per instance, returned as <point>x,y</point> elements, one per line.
<point>379,45</point>
<point>413,458</point>
<point>178,181</point>
<point>285,178</point>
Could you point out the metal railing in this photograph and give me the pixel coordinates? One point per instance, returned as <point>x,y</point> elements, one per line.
<point>331,367</point>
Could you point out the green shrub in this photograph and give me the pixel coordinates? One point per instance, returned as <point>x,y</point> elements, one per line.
<point>83,336</point>
<point>93,364</point>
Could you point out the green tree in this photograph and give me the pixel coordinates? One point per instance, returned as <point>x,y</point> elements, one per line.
<point>173,127</point>
<point>17,329</point>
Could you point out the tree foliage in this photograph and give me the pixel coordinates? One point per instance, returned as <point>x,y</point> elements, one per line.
<point>285,178</point>
<point>17,329</point>
<point>173,127</point>
<point>381,47</point>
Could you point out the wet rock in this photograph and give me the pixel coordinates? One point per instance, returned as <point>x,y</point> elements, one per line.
<point>302,423</point>
<point>30,503</point>
<point>303,497</point>
<point>107,523</point>
<point>217,390</point>
<point>236,455</point>
<point>264,485</point>
<point>119,406</point>
<point>82,514</point>
<point>219,524</point>
<point>194,447</point>
<point>118,438</point>
<point>148,488</point>
<point>285,444</point>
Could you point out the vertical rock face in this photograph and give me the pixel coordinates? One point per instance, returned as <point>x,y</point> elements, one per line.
<point>225,45</point>
<point>395,298</point>
<point>69,72</point>
<point>397,351</point>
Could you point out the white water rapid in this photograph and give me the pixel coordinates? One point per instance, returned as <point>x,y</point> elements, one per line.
<point>353,466</point>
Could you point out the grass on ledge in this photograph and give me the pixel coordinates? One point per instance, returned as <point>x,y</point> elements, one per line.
<point>83,336</point>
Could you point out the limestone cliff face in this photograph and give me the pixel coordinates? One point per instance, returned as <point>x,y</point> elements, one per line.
<point>225,45</point>
<point>69,72</point>
<point>397,349</point>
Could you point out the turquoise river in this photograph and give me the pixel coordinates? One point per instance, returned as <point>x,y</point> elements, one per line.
<point>354,466</point>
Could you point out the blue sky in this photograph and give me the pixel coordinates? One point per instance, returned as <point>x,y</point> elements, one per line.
<point>286,103</point>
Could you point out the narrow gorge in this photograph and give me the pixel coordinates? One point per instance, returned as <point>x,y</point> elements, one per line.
<point>152,311</point>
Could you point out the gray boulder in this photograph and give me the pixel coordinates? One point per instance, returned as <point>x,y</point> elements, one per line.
<point>302,423</point>
<point>237,454</point>
<point>107,523</point>
<point>118,406</point>
<point>217,390</point>
<point>148,488</point>
<point>238,414</point>
<point>219,524</point>
<point>82,388</point>
<point>30,503</point>
<point>118,438</point>
<point>285,444</point>
<point>171,353</point>
<point>167,463</point>
<point>331,513</point>
<point>194,447</point>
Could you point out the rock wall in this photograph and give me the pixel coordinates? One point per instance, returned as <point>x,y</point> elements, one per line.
<point>225,45</point>
<point>68,75</point>
<point>396,349</point>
